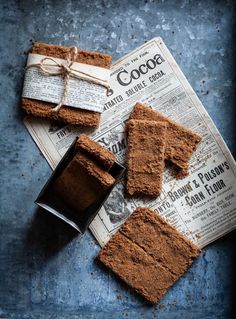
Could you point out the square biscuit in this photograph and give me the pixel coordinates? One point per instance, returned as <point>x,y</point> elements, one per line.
<point>148,254</point>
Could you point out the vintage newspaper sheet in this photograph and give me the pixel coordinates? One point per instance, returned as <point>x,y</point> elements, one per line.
<point>203,205</point>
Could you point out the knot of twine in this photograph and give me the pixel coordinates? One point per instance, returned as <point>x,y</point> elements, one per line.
<point>66,71</point>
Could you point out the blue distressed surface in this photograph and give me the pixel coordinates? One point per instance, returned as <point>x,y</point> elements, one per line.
<point>46,270</point>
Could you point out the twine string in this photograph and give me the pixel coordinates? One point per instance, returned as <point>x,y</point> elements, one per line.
<point>66,71</point>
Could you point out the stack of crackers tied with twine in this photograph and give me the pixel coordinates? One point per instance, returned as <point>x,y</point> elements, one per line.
<point>67,84</point>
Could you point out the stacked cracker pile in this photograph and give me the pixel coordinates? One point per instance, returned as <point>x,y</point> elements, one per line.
<point>153,140</point>
<point>86,178</point>
<point>66,114</point>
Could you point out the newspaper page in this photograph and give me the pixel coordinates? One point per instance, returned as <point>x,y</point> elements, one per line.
<point>203,205</point>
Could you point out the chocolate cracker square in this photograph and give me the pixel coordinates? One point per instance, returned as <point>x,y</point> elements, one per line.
<point>148,254</point>
<point>146,149</point>
<point>180,141</point>
<point>66,114</point>
<point>82,183</point>
<point>85,179</point>
<point>95,151</point>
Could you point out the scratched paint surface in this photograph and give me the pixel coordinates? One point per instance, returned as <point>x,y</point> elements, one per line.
<point>46,270</point>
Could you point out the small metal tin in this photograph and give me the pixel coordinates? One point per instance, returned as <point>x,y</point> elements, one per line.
<point>53,204</point>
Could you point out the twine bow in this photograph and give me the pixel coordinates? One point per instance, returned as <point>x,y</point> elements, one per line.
<point>66,71</point>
